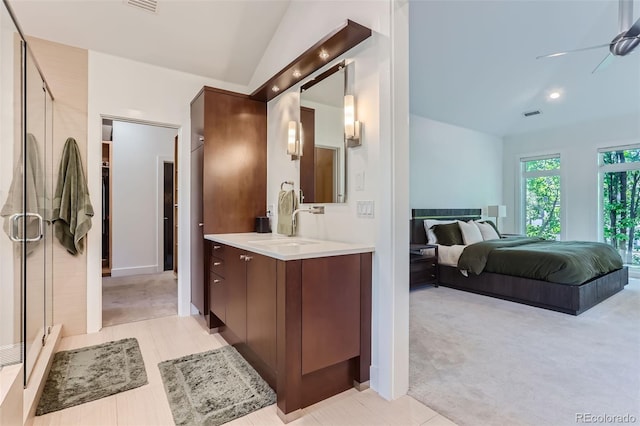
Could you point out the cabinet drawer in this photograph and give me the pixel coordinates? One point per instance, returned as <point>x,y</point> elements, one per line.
<point>217,250</point>
<point>426,276</point>
<point>216,265</point>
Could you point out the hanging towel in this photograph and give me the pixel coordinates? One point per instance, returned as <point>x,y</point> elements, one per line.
<point>287,203</point>
<point>72,210</point>
<point>34,196</point>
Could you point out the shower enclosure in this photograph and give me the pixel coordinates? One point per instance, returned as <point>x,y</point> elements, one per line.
<point>26,191</point>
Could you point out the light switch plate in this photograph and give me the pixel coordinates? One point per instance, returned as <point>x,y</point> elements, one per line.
<point>365,209</point>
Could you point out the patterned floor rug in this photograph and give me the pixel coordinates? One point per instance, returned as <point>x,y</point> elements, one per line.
<point>86,374</point>
<point>214,387</point>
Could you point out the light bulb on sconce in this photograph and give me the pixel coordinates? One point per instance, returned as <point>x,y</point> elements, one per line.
<point>352,127</point>
<point>294,140</point>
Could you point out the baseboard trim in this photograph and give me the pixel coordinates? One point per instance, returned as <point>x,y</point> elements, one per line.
<point>35,386</point>
<point>136,270</point>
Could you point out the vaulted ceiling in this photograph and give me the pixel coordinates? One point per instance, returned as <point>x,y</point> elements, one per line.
<point>472,63</point>
<point>219,39</point>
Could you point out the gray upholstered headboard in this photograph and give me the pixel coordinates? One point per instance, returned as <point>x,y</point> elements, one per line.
<point>418,234</point>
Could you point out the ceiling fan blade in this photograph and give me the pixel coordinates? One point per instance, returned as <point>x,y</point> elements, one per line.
<point>634,31</point>
<point>604,64</point>
<point>625,15</point>
<point>582,49</point>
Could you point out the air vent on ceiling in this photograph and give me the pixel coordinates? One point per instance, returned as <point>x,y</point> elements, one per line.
<point>147,5</point>
<point>531,113</point>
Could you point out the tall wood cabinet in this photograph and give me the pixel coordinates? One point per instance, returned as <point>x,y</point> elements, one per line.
<point>232,129</point>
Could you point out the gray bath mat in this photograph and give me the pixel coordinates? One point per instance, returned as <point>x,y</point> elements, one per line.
<point>87,374</point>
<point>214,387</point>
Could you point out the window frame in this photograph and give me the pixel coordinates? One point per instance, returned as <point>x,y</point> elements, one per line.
<point>524,175</point>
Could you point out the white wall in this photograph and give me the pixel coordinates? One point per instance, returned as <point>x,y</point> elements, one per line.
<point>578,148</point>
<point>453,167</point>
<point>138,151</point>
<point>382,105</point>
<point>127,89</point>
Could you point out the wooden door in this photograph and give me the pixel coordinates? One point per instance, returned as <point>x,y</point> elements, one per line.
<point>261,314</point>
<point>307,161</point>
<point>325,175</point>
<point>236,295</point>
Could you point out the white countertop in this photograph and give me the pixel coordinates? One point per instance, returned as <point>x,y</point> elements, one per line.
<point>288,248</point>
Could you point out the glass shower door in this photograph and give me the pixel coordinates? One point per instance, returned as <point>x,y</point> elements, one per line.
<point>11,192</point>
<point>36,279</point>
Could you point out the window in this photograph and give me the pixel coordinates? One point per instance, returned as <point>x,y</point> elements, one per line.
<point>620,171</point>
<point>541,181</point>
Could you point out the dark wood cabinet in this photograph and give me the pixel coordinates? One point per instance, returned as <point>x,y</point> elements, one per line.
<point>236,296</point>
<point>229,175</point>
<point>217,282</point>
<point>234,128</point>
<point>304,325</point>
<point>261,307</point>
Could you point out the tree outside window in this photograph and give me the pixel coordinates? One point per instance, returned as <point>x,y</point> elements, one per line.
<point>620,202</point>
<point>541,179</point>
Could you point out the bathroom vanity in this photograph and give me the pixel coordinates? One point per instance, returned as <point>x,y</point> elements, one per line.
<point>298,310</point>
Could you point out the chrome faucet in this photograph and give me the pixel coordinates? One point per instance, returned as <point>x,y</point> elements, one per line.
<point>312,210</point>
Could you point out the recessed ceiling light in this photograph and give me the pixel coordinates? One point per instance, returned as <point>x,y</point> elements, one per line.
<point>324,55</point>
<point>554,95</point>
<point>275,89</point>
<point>297,73</point>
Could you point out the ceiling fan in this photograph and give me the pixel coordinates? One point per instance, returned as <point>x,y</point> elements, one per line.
<point>621,45</point>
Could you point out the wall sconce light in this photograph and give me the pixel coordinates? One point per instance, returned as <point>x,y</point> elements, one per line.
<point>294,140</point>
<point>352,127</point>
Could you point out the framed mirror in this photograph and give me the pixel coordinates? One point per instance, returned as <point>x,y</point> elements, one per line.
<point>323,163</point>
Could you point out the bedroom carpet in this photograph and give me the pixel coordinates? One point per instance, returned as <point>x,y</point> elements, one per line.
<point>87,374</point>
<point>214,387</point>
<point>484,361</point>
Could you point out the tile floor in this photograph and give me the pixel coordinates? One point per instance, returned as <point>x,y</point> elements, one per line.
<point>170,337</point>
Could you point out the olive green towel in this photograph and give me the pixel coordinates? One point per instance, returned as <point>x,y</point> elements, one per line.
<point>72,210</point>
<point>287,203</point>
<point>35,196</point>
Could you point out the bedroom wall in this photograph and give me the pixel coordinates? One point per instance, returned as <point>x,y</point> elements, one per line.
<point>383,159</point>
<point>137,151</point>
<point>578,148</point>
<point>453,167</point>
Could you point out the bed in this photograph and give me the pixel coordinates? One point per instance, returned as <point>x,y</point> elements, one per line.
<point>567,297</point>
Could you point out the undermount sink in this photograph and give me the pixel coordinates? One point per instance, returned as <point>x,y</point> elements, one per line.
<point>283,242</point>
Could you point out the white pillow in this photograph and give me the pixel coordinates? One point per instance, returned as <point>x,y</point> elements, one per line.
<point>470,232</point>
<point>428,223</point>
<point>487,231</point>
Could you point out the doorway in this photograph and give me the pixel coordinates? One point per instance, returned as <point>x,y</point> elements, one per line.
<point>139,210</point>
<point>167,207</point>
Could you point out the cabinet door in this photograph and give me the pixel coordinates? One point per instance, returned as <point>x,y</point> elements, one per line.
<point>236,294</point>
<point>217,296</point>
<point>261,303</point>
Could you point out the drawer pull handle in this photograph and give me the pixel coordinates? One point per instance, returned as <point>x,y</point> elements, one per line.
<point>216,247</point>
<point>243,257</point>
<point>217,263</point>
<point>247,258</point>
<point>216,281</point>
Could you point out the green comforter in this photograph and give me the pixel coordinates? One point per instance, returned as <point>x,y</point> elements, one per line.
<point>565,262</point>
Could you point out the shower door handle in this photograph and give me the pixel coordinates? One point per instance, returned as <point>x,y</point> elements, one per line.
<point>14,227</point>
